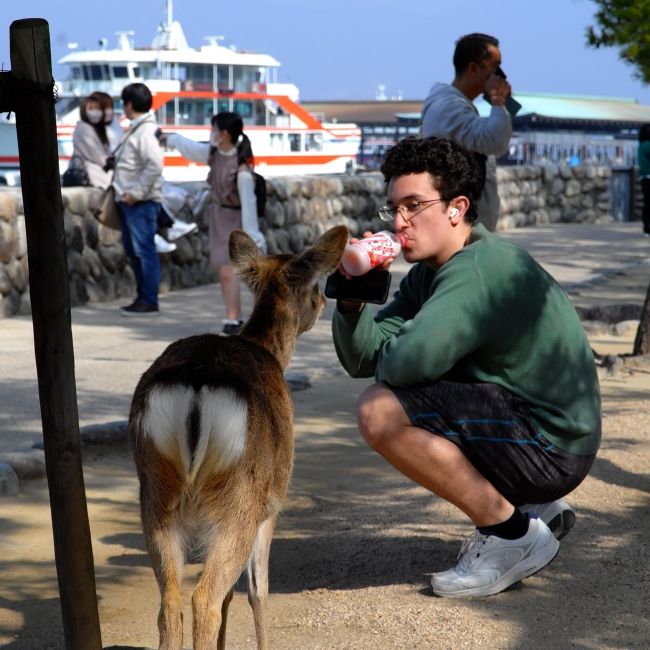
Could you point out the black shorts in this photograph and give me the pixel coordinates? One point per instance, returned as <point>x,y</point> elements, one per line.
<point>494,430</point>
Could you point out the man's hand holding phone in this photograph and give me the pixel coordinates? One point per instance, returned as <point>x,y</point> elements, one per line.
<point>498,92</point>
<point>353,291</point>
<point>497,89</point>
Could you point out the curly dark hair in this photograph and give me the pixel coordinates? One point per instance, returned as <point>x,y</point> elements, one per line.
<point>454,170</point>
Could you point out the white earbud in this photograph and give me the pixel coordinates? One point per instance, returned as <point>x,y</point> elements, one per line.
<point>453,213</point>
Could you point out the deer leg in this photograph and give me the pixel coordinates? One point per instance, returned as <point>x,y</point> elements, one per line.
<point>221,642</point>
<point>225,560</point>
<point>167,554</point>
<point>258,581</point>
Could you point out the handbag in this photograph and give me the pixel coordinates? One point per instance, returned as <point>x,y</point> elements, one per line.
<point>107,212</point>
<point>75,175</point>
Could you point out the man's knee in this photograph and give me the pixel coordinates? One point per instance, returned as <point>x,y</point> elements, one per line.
<point>379,415</point>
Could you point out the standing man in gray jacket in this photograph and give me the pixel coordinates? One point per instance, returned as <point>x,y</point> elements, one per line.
<point>449,112</point>
<point>138,192</point>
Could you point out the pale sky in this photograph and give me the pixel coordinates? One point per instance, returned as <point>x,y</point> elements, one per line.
<point>343,49</point>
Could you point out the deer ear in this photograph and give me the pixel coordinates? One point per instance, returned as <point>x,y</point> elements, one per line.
<point>322,258</point>
<point>244,256</point>
<point>242,249</point>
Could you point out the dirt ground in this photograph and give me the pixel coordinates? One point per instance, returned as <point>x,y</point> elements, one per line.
<point>356,544</point>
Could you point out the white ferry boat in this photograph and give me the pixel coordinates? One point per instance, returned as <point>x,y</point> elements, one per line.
<point>189,86</point>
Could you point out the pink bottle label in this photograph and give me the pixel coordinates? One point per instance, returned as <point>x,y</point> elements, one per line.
<point>369,253</point>
<point>380,248</point>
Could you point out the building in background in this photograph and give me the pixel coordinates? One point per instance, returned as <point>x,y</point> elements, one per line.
<point>382,123</point>
<point>553,128</point>
<point>559,129</point>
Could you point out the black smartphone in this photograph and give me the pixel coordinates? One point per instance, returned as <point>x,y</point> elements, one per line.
<point>371,287</point>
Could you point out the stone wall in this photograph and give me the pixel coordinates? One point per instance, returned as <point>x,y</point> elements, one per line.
<point>552,194</point>
<point>298,211</point>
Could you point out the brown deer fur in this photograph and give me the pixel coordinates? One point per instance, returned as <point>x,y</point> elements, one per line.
<point>211,426</point>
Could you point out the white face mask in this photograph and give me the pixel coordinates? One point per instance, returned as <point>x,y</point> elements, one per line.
<point>95,116</point>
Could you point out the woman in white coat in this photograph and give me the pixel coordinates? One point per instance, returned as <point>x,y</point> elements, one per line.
<point>95,136</point>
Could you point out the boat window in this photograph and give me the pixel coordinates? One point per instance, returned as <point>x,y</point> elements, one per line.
<point>224,106</point>
<point>136,71</point>
<point>223,78</point>
<point>149,72</point>
<point>277,141</point>
<point>96,72</point>
<point>120,72</point>
<point>244,108</point>
<point>190,111</point>
<point>244,77</point>
<point>314,142</point>
<point>200,75</point>
<point>294,141</point>
<point>260,114</point>
<point>76,72</point>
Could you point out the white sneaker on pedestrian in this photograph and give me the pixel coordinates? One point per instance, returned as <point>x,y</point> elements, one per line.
<point>557,515</point>
<point>162,245</point>
<point>488,564</point>
<point>179,229</point>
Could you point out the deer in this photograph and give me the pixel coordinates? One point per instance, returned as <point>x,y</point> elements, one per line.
<point>211,430</point>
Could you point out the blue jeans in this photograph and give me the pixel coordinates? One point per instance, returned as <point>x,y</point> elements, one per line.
<point>139,225</point>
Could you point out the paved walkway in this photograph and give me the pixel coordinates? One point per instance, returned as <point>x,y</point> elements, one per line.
<point>356,543</point>
<point>597,264</point>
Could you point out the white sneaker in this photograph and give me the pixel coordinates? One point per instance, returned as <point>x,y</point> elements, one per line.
<point>179,229</point>
<point>557,515</point>
<point>488,564</point>
<point>162,245</point>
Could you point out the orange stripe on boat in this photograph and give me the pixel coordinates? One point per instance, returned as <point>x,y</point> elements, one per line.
<point>179,161</point>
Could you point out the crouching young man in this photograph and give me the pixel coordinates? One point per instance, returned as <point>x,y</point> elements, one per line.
<point>487,393</point>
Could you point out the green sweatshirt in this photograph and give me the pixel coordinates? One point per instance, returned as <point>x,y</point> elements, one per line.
<point>490,314</point>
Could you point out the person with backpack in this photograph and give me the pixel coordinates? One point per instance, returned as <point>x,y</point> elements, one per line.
<point>234,204</point>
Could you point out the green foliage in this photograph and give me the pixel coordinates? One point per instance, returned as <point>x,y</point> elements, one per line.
<point>624,24</point>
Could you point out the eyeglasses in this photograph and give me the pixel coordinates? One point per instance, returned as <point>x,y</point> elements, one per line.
<point>406,210</point>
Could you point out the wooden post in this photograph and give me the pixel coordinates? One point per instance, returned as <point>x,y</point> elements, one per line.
<point>48,279</point>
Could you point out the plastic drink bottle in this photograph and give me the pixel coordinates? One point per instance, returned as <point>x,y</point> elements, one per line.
<point>370,252</point>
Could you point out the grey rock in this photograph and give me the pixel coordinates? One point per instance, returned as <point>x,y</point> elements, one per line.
<point>28,464</point>
<point>8,481</point>
<point>297,381</point>
<point>108,433</point>
<point>614,313</point>
<point>10,303</point>
<point>596,327</point>
<point>625,327</point>
<point>5,281</point>
<point>18,272</point>
<point>7,241</point>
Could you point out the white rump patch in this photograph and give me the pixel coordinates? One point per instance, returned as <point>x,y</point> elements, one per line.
<point>224,423</point>
<point>222,426</point>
